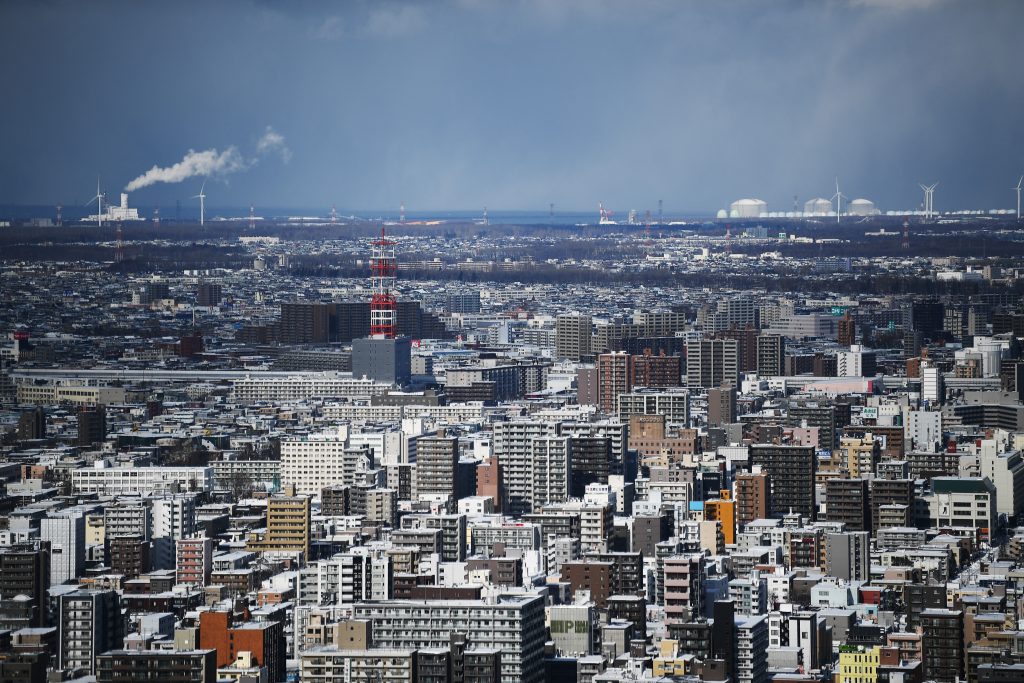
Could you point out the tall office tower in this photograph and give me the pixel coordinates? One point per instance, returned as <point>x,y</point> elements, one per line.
<point>722,405</point>
<point>92,425</point>
<point>847,330</point>
<point>572,336</point>
<point>32,424</point>
<point>174,517</point>
<point>771,355</point>
<point>846,501</point>
<point>65,532</point>
<point>753,498</point>
<point>791,471</point>
<point>712,363</point>
<point>925,317</point>
<point>288,527</point>
<point>942,645</point>
<point>657,370</point>
<point>209,294</point>
<point>614,377</point>
<point>551,473</point>
<point>892,503</point>
<point>25,571</point>
<point>848,555</point>
<point>306,322</point>
<point>90,623</point>
<point>513,449</point>
<point>437,461</point>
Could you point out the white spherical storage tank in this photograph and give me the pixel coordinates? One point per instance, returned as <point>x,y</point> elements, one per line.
<point>862,207</point>
<point>748,208</point>
<point>819,206</point>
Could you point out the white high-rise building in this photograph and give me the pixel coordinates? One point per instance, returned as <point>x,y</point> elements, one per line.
<point>513,448</point>
<point>933,386</point>
<point>551,469</point>
<point>319,460</point>
<point>174,518</point>
<point>66,533</point>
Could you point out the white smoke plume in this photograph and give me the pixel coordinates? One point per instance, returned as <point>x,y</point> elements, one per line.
<point>272,141</point>
<point>211,162</point>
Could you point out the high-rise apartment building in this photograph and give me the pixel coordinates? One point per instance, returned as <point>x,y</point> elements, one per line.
<point>771,355</point>
<point>712,363</point>
<point>791,471</point>
<point>572,336</point>
<point>513,623</point>
<point>288,526</point>
<point>437,461</point>
<point>90,623</point>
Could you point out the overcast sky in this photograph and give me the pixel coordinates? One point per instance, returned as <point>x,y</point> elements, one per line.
<point>454,104</point>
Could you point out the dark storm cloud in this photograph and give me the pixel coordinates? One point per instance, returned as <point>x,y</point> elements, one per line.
<point>462,103</point>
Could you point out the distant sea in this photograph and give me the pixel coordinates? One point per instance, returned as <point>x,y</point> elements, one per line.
<point>191,213</point>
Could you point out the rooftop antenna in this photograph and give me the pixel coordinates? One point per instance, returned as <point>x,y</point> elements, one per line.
<point>99,204</point>
<point>1016,188</point>
<point>839,197</point>
<point>647,232</point>
<point>202,203</point>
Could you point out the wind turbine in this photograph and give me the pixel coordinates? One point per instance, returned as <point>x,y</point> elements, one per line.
<point>1018,195</point>
<point>202,204</point>
<point>99,204</point>
<point>929,198</point>
<point>839,197</point>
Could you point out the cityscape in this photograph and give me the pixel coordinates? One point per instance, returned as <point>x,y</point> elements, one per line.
<point>468,415</point>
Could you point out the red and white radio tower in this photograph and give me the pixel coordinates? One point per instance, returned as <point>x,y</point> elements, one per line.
<point>383,271</point>
<point>119,255</point>
<point>252,217</point>
<point>906,234</point>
